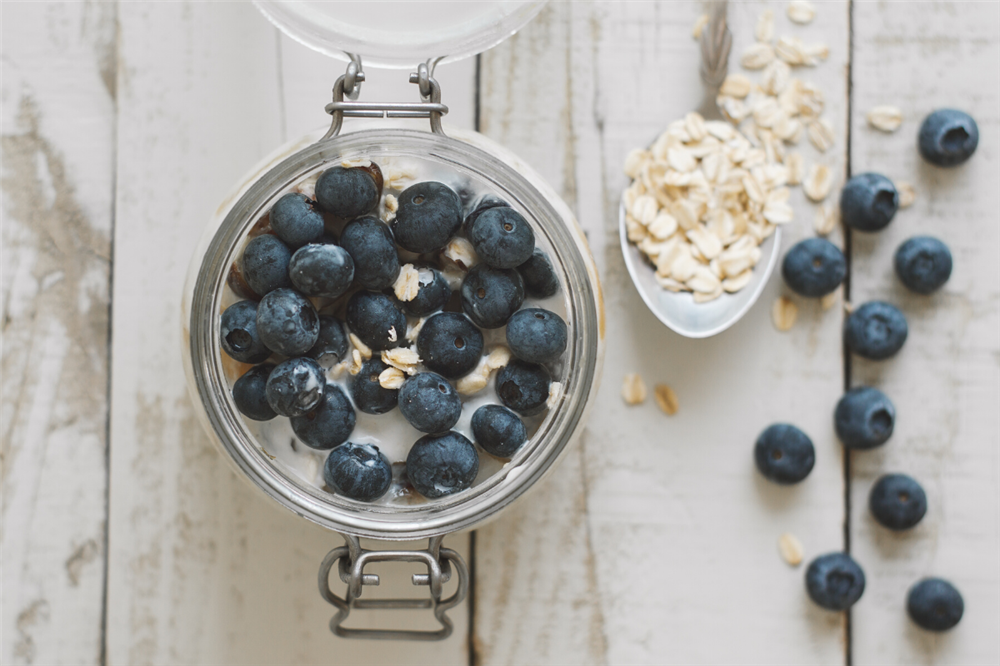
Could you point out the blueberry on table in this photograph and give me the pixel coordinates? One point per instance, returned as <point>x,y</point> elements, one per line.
<point>835,581</point>
<point>498,430</point>
<point>373,250</point>
<point>429,214</point>
<point>491,295</point>
<point>238,333</point>
<point>897,501</point>
<point>876,330</point>
<point>429,403</point>
<point>375,319</point>
<point>433,293</point>
<point>948,137</point>
<point>331,345</point>
<point>265,264</point>
<point>287,322</point>
<point>923,264</point>
<point>501,237</point>
<point>296,221</point>
<point>443,464</point>
<point>358,471</point>
<point>250,395</point>
<point>295,386</point>
<point>536,335</point>
<point>540,280</point>
<point>868,202</point>
<point>329,423</point>
<point>348,193</point>
<point>524,387</point>
<point>814,267</point>
<point>321,270</point>
<point>450,344</point>
<point>934,604</point>
<point>864,418</point>
<point>784,454</point>
<point>368,393</point>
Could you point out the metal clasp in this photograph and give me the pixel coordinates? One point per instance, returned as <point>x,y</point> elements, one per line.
<point>351,560</point>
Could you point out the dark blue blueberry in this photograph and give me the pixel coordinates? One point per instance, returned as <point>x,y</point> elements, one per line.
<point>897,502</point>
<point>440,465</point>
<point>502,237</point>
<point>429,214</point>
<point>321,270</point>
<point>491,295</point>
<point>934,604</point>
<point>450,344</point>
<point>250,395</point>
<point>295,386</point>
<point>349,193</point>
<point>375,319</point>
<point>864,418</point>
<point>369,395</point>
<point>923,264</point>
<point>876,330</point>
<point>265,264</point>
<point>868,202</point>
<point>327,424</point>
<point>784,454</point>
<point>540,280</point>
<point>432,295</point>
<point>524,387</point>
<point>948,137</point>
<point>331,345</point>
<point>429,403</point>
<point>814,267</point>
<point>239,336</point>
<point>287,322</point>
<point>295,220</point>
<point>486,202</point>
<point>498,430</point>
<point>358,471</point>
<point>835,581</point>
<point>536,335</point>
<point>370,244</point>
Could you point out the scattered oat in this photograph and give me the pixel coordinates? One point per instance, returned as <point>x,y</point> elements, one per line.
<point>352,162</point>
<point>498,358</point>
<point>820,134</point>
<point>392,378</point>
<point>699,25</point>
<point>764,30</point>
<point>800,11</point>
<point>356,362</point>
<point>736,85</point>
<point>555,394</point>
<point>818,182</point>
<point>665,398</point>
<point>390,205</point>
<point>784,313</point>
<point>790,549</point>
<point>360,347</point>
<point>633,389</point>
<point>477,380</point>
<point>885,118</point>
<point>474,382</point>
<point>826,219</point>
<point>393,336</point>
<point>413,330</point>
<point>403,358</point>
<point>460,252</point>
<point>907,195</point>
<point>828,301</point>
<point>407,285</point>
<point>398,178</point>
<point>794,165</point>
<point>757,56</point>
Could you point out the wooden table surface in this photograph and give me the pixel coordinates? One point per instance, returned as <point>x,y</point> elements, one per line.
<point>126,539</point>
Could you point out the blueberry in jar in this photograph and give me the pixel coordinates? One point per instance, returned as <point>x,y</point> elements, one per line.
<point>540,280</point>
<point>485,203</point>
<point>329,423</point>
<point>238,333</point>
<point>923,264</point>
<point>814,267</point>
<point>321,270</point>
<point>368,393</point>
<point>429,403</point>
<point>295,386</point>
<point>864,418</point>
<point>348,193</point>
<point>835,581</point>
<point>296,221</point>
<point>287,322</point>
<point>948,137</point>
<point>498,430</point>
<point>897,501</point>
<point>331,344</point>
<point>934,604</point>
<point>358,471</point>
<point>536,335</point>
<point>868,202</point>
<point>373,250</point>
<point>491,295</point>
<point>375,319</point>
<point>784,454</point>
<point>442,464</point>
<point>876,330</point>
<point>429,214</point>
<point>250,395</point>
<point>433,292</point>
<point>265,264</point>
<point>450,344</point>
<point>523,387</point>
<point>501,237</point>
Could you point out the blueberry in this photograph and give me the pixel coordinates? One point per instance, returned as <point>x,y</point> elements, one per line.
<point>934,604</point>
<point>524,387</point>
<point>498,430</point>
<point>540,280</point>
<point>295,386</point>
<point>238,330</point>
<point>429,214</point>
<point>864,418</point>
<point>784,454</point>
<point>536,335</point>
<point>450,344</point>
<point>485,203</point>
<point>876,330</point>
<point>331,345</point>
<point>348,193</point>
<point>321,270</point>
<point>249,393</point>
<point>295,220</point>
<point>370,244</point>
<point>265,264</point>
<point>868,202</point>
<point>502,237</point>
<point>491,295</point>
<point>369,395</point>
<point>443,464</point>
<point>923,263</point>
<point>948,137</point>
<point>375,319</point>
<point>287,322</point>
<point>835,581</point>
<point>327,424</point>
<point>429,403</point>
<point>433,293</point>
<point>358,471</point>
<point>897,502</point>
<point>814,267</point>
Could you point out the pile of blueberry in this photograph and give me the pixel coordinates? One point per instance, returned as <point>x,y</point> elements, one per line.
<point>313,266</point>
<point>864,416</point>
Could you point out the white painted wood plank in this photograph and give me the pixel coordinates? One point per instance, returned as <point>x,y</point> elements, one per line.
<point>58,150</point>
<point>945,382</point>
